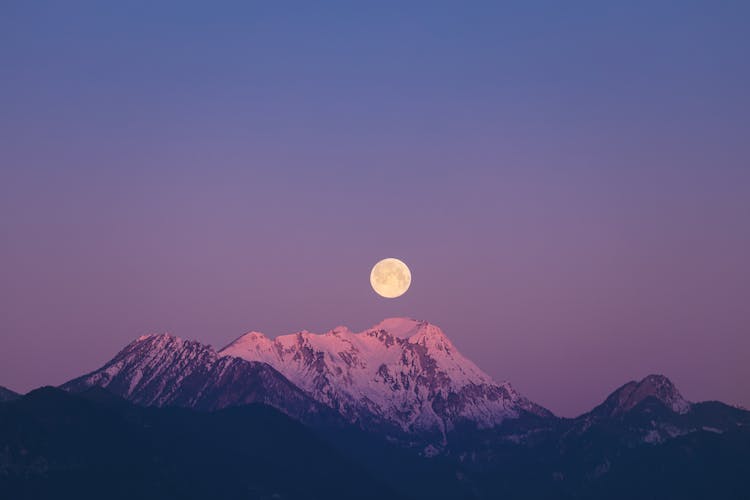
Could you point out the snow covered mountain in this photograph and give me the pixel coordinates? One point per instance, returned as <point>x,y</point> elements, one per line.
<point>402,373</point>
<point>162,370</point>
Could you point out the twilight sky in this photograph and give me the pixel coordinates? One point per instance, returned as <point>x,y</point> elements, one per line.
<point>568,181</point>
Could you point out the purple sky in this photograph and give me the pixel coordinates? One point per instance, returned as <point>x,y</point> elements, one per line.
<point>570,184</point>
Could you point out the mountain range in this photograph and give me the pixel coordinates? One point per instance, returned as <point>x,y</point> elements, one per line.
<point>401,377</point>
<point>419,418</point>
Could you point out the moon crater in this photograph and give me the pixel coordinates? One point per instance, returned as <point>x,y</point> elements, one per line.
<point>390,278</point>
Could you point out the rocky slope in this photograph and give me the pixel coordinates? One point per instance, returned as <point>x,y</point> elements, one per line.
<point>633,393</point>
<point>162,370</point>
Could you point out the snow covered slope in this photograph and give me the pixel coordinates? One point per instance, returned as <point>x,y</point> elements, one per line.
<point>162,370</point>
<point>401,372</point>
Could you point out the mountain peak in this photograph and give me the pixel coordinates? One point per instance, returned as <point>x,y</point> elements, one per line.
<point>399,327</point>
<point>157,338</point>
<point>255,335</point>
<point>339,330</point>
<point>415,331</point>
<point>634,392</point>
<point>164,370</point>
<point>401,371</point>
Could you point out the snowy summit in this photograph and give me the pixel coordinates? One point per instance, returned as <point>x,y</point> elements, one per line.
<point>400,372</point>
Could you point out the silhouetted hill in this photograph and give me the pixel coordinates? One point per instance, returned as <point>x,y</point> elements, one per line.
<point>644,441</point>
<point>56,445</point>
<point>96,445</point>
<point>7,395</point>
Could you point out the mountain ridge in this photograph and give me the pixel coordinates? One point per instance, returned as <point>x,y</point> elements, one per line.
<point>403,371</point>
<point>402,379</point>
<point>164,370</point>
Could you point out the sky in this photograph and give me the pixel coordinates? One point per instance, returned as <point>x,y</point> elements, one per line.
<point>569,182</point>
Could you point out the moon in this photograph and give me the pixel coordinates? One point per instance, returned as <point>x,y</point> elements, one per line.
<point>390,278</point>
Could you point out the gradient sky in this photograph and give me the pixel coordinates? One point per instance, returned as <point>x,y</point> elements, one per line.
<point>568,181</point>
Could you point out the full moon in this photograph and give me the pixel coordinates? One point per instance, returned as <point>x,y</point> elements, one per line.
<point>390,278</point>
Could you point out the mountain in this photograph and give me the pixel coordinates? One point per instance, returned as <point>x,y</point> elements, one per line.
<point>402,379</point>
<point>57,445</point>
<point>397,402</point>
<point>7,394</point>
<point>649,411</point>
<point>652,410</point>
<point>644,441</point>
<point>631,394</point>
<point>162,370</point>
<point>401,373</point>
